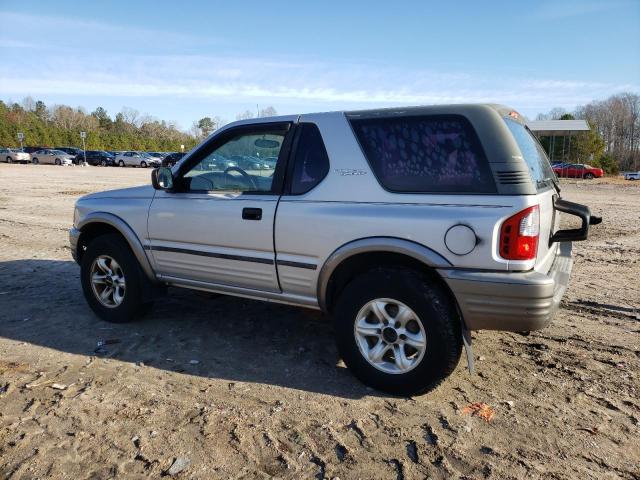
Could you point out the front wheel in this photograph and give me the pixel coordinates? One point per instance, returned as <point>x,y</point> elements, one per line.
<point>112,281</point>
<point>143,164</point>
<point>121,163</point>
<point>58,162</point>
<point>35,161</point>
<point>103,163</point>
<point>398,331</point>
<point>588,176</point>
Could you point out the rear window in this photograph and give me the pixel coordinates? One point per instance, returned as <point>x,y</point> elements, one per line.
<point>426,154</point>
<point>533,153</point>
<point>311,163</point>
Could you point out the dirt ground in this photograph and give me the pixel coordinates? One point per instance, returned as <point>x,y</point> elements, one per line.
<point>233,388</point>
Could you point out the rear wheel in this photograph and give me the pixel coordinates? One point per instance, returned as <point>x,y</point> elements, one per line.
<point>112,281</point>
<point>398,331</point>
<point>9,159</point>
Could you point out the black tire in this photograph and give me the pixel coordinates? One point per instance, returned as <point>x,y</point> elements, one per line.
<point>103,163</point>
<point>35,161</point>
<point>132,306</point>
<point>588,176</point>
<point>121,163</point>
<point>9,160</point>
<point>58,162</point>
<point>436,312</point>
<point>143,164</point>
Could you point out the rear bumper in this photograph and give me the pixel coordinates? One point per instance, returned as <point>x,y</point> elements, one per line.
<point>511,301</point>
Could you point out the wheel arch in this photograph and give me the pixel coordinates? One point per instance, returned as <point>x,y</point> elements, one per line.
<point>364,254</point>
<point>100,223</point>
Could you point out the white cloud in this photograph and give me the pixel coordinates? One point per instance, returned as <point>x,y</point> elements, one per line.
<point>74,70</point>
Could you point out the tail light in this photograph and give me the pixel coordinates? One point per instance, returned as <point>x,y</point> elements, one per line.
<point>519,235</point>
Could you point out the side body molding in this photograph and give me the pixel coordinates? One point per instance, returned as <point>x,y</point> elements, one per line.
<point>415,250</point>
<point>127,232</point>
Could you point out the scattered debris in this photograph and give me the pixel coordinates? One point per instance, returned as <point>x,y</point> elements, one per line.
<point>136,441</point>
<point>178,465</point>
<point>59,386</point>
<point>479,409</point>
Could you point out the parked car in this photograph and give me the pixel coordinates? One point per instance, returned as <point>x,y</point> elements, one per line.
<point>96,157</point>
<point>54,157</point>
<point>31,150</point>
<point>136,159</point>
<point>578,170</point>
<point>171,159</point>
<point>632,176</point>
<point>159,155</point>
<point>74,152</point>
<point>11,155</point>
<point>251,163</point>
<point>411,227</point>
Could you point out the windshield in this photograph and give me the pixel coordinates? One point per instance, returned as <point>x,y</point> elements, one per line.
<point>534,155</point>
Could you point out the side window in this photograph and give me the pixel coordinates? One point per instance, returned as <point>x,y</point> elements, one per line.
<point>425,154</point>
<point>244,163</point>
<point>311,162</point>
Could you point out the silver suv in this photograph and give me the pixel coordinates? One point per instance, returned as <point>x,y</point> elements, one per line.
<point>409,226</point>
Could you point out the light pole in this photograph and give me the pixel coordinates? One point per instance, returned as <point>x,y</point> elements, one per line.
<point>21,138</point>
<point>83,136</point>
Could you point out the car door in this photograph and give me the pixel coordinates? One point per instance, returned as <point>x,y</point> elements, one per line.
<point>216,226</point>
<point>46,157</point>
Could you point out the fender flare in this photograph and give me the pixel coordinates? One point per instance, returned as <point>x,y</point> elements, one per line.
<point>425,255</point>
<point>127,232</point>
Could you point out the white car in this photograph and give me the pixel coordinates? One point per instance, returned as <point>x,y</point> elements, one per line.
<point>11,155</point>
<point>137,159</point>
<point>52,157</point>
<point>632,176</point>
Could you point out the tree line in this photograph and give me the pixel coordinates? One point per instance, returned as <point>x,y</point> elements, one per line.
<point>613,142</point>
<point>60,126</point>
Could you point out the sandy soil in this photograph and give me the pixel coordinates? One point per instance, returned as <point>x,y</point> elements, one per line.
<point>234,388</point>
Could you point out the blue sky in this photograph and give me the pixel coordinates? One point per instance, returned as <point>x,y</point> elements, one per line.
<point>184,60</point>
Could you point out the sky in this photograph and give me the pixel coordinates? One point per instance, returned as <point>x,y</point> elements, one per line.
<point>181,61</point>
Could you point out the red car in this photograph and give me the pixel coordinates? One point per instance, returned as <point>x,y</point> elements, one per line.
<point>577,170</point>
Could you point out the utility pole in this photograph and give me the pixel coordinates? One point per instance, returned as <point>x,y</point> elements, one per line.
<point>21,138</point>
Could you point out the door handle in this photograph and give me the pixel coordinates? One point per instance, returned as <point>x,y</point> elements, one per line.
<point>252,214</point>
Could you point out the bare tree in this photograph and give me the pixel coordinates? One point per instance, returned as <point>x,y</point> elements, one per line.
<point>245,115</point>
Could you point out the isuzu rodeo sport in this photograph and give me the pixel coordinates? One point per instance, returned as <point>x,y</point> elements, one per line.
<point>410,227</point>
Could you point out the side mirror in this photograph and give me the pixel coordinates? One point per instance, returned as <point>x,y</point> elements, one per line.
<point>162,178</point>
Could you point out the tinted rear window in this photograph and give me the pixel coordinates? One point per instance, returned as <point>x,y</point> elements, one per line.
<point>426,154</point>
<point>311,163</point>
<point>533,153</point>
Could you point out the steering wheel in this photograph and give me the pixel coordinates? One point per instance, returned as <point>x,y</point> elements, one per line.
<point>244,175</point>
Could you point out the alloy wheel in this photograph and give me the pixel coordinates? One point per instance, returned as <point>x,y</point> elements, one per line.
<point>390,336</point>
<point>107,281</point>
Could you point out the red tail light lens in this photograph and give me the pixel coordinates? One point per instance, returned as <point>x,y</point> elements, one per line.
<point>519,235</point>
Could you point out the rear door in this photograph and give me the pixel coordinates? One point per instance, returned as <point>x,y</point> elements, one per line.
<point>216,228</point>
